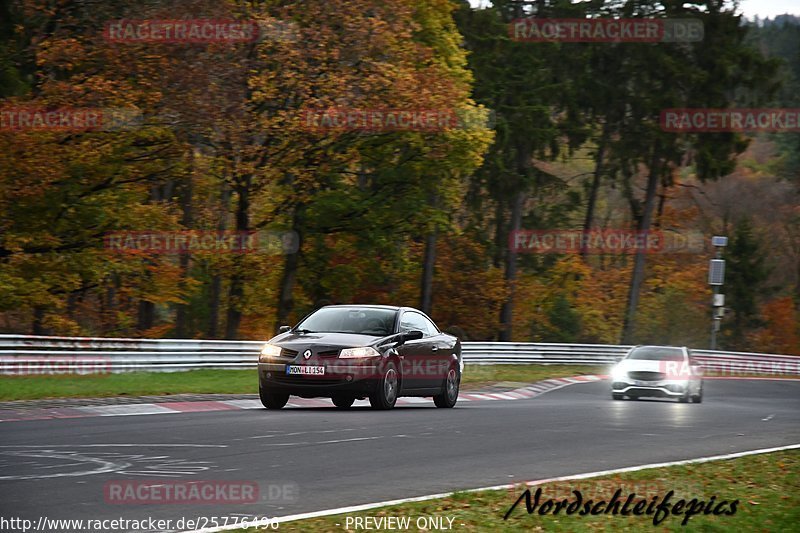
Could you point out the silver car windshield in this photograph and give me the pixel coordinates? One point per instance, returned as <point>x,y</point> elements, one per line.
<point>656,354</point>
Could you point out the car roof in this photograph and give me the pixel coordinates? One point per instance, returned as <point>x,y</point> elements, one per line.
<point>659,346</point>
<point>388,307</point>
<point>376,306</point>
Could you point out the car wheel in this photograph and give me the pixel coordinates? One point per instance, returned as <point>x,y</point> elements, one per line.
<point>699,397</point>
<point>385,394</point>
<point>273,400</point>
<point>343,402</point>
<point>449,395</point>
<point>617,396</point>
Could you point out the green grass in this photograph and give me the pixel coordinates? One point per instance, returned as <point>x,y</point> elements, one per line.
<point>767,487</point>
<point>130,384</point>
<point>229,381</point>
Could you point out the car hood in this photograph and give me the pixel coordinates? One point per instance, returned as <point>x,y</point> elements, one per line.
<point>322,342</point>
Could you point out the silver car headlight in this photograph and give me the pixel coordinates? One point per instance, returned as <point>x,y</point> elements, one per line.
<point>269,351</point>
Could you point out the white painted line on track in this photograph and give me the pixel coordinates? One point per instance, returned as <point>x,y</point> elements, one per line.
<point>45,446</point>
<point>502,396</point>
<point>412,400</point>
<point>310,443</point>
<point>128,410</point>
<point>367,506</point>
<point>480,396</point>
<point>295,433</point>
<point>244,404</point>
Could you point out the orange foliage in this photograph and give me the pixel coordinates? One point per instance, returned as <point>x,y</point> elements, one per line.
<point>782,332</point>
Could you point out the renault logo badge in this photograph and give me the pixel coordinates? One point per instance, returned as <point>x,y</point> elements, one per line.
<point>307,354</point>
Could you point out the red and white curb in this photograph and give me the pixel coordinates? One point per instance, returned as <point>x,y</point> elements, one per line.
<point>531,391</point>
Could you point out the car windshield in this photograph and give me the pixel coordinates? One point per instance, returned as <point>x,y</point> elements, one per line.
<point>657,354</point>
<point>364,320</point>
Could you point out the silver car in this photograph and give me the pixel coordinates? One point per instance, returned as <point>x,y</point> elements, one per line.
<point>661,371</point>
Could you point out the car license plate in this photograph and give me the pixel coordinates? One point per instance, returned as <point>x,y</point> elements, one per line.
<point>305,370</point>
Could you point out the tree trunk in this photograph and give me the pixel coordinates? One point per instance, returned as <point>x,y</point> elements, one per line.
<point>797,286</point>
<point>637,278</point>
<point>187,221</point>
<point>146,314</point>
<point>215,291</point>
<point>214,296</point>
<point>289,276</point>
<point>507,311</point>
<point>428,264</point>
<point>595,188</point>
<point>500,236</point>
<point>236,289</point>
<point>37,326</point>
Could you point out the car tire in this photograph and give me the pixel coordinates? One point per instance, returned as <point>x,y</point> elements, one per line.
<point>699,397</point>
<point>385,394</point>
<point>450,386</point>
<point>273,400</point>
<point>616,396</point>
<point>343,402</point>
<point>685,398</point>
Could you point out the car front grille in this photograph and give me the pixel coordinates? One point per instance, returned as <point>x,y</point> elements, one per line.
<point>285,352</point>
<point>647,376</point>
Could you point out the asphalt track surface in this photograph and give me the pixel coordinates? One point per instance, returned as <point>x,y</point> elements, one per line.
<point>323,458</point>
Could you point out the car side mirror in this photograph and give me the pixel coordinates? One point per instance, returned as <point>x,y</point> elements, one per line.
<point>284,329</point>
<point>411,335</point>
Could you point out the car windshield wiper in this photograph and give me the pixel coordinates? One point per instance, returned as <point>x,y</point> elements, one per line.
<point>303,331</point>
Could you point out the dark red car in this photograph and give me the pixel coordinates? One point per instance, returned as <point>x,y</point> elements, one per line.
<point>349,352</point>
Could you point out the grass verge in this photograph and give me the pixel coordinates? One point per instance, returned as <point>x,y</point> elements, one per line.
<point>230,381</point>
<point>766,486</point>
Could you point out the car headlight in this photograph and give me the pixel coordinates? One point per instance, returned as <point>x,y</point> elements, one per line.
<point>618,374</point>
<point>269,351</point>
<point>357,353</point>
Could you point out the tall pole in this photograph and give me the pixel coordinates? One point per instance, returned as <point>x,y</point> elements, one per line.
<point>716,277</point>
<point>715,320</point>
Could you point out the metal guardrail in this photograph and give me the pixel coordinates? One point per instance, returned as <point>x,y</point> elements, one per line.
<point>25,354</point>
